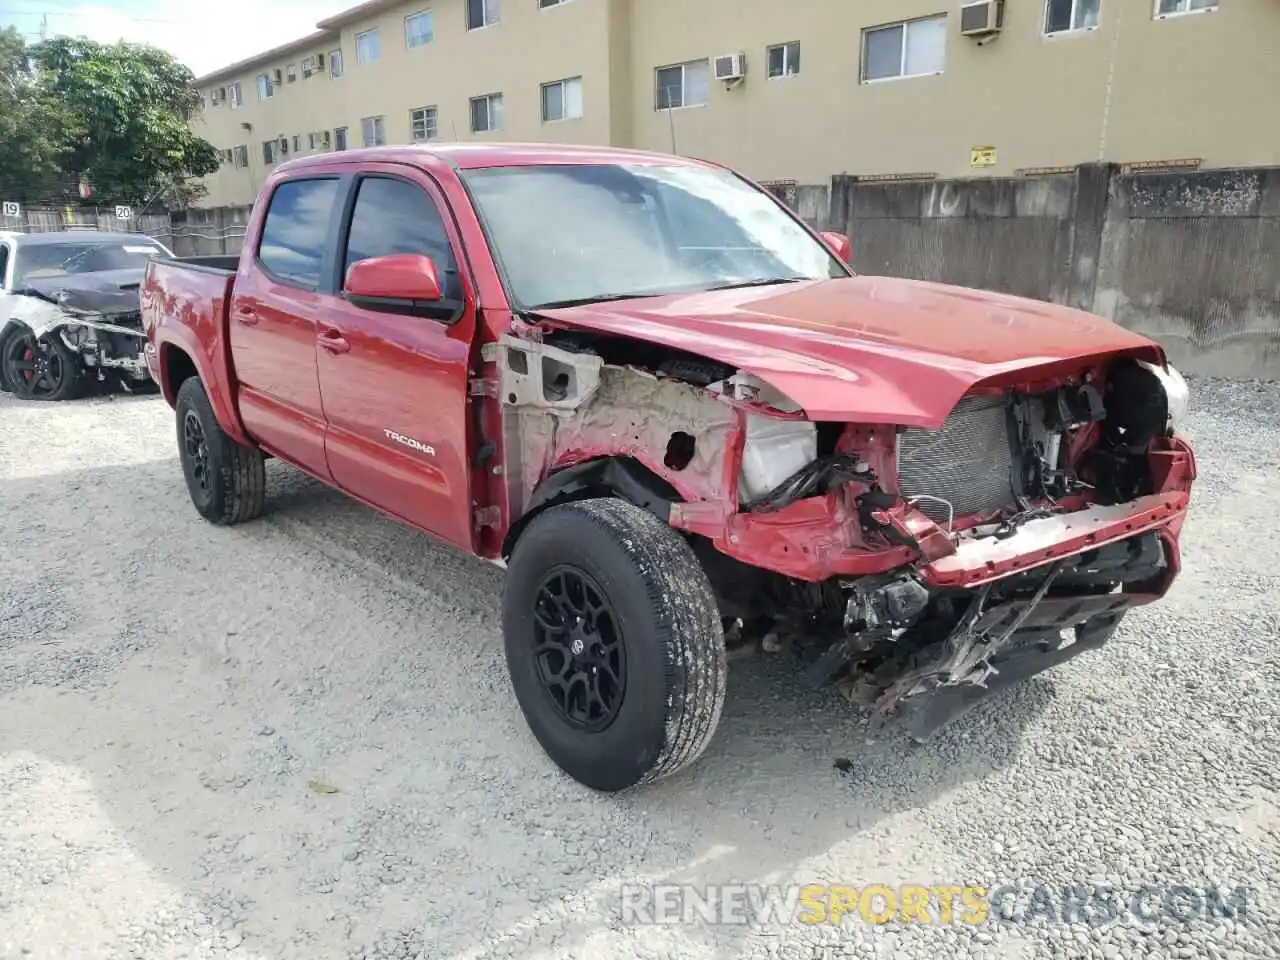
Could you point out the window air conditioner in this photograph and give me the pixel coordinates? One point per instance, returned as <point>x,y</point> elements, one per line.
<point>981,19</point>
<point>732,66</point>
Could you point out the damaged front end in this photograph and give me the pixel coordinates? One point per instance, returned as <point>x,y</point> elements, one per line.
<point>100,327</point>
<point>942,565</point>
<point>917,569</point>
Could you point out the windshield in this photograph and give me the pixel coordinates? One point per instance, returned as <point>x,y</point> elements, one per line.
<point>573,233</point>
<point>40,261</point>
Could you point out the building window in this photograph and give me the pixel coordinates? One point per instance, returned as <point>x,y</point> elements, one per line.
<point>368,47</point>
<point>237,96</point>
<point>1063,15</point>
<point>1171,8</point>
<point>240,155</point>
<point>335,63</point>
<point>373,132</point>
<point>297,143</point>
<point>481,13</point>
<point>291,73</point>
<point>683,85</point>
<point>266,89</point>
<point>784,60</point>
<point>486,113</point>
<point>340,138</point>
<point>916,48</point>
<point>218,96</point>
<point>423,124</point>
<point>270,151</point>
<point>419,29</point>
<point>562,100</point>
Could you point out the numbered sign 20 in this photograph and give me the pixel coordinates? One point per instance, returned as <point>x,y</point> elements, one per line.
<point>124,213</point>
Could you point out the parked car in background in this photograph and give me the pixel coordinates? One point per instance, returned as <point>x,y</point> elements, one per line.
<point>69,311</point>
<point>679,420</point>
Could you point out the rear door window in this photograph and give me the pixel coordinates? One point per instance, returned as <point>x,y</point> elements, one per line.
<point>394,216</point>
<point>295,233</point>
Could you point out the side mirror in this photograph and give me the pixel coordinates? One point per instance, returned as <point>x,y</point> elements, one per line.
<point>400,277</point>
<point>839,245</point>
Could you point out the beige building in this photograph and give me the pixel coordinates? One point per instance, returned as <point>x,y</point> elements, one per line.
<point>785,91</point>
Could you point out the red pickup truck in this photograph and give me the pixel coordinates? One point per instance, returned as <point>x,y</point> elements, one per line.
<point>685,426</point>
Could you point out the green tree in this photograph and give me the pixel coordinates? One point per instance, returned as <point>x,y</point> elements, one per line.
<point>114,114</point>
<point>34,133</point>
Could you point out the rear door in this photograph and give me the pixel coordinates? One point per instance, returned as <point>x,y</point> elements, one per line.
<point>395,384</point>
<point>275,300</point>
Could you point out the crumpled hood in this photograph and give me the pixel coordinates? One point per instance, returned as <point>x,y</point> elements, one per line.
<point>107,291</point>
<point>867,349</point>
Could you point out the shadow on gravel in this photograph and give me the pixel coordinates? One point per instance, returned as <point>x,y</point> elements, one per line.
<point>204,677</point>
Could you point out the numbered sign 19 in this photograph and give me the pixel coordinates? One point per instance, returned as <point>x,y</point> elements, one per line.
<point>12,208</point>
<point>124,213</point>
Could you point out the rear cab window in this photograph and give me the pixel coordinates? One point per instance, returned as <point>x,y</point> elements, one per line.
<point>394,216</point>
<point>295,233</point>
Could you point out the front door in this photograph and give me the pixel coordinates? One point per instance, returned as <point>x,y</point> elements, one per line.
<point>394,385</point>
<point>272,328</point>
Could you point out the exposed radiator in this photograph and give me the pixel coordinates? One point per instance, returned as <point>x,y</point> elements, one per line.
<point>967,462</point>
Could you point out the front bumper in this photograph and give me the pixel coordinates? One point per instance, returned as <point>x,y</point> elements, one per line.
<point>1015,628</point>
<point>934,701</point>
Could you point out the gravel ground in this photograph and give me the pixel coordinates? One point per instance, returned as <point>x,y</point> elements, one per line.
<point>295,739</point>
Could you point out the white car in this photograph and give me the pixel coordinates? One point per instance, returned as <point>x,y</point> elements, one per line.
<point>69,311</point>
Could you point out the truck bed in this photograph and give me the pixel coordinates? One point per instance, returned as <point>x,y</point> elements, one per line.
<point>187,302</point>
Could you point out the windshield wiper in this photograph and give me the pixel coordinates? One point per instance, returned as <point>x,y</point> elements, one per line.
<point>598,298</point>
<point>758,282</point>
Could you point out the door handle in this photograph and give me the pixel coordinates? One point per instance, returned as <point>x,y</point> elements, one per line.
<point>247,314</point>
<point>333,341</point>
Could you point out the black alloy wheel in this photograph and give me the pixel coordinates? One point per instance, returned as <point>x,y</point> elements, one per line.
<point>39,368</point>
<point>196,448</point>
<point>581,660</point>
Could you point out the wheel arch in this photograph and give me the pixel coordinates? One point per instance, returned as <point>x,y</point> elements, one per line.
<point>179,359</point>
<point>176,367</point>
<point>624,478</point>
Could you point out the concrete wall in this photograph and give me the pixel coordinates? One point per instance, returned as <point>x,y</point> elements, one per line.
<point>1190,259</point>
<point>1194,261</point>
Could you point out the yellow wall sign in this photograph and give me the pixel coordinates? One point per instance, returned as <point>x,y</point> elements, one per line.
<point>982,156</point>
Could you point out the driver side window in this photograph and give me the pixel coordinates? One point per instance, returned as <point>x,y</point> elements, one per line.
<point>4,265</point>
<point>393,216</point>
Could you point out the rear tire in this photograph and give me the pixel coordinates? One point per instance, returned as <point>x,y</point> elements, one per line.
<point>613,643</point>
<point>227,481</point>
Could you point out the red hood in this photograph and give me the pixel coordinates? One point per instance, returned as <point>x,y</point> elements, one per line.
<point>866,349</point>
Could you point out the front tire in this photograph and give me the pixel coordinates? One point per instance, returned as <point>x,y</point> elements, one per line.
<point>40,368</point>
<point>227,480</point>
<point>613,643</point>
